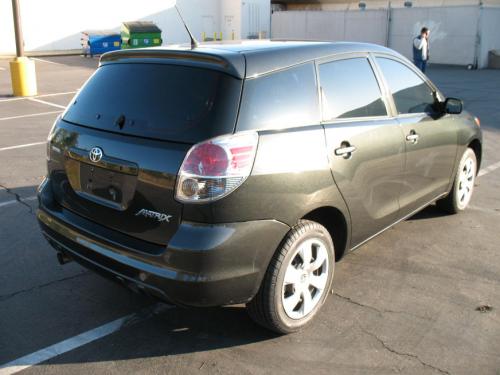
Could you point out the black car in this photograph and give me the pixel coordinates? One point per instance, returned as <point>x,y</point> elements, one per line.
<point>239,173</point>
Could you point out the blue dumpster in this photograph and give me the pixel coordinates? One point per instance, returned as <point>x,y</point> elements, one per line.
<point>97,42</point>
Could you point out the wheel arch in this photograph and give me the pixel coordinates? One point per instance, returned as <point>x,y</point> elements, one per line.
<point>477,147</point>
<point>335,223</point>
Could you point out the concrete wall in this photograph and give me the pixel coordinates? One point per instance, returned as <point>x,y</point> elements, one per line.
<point>454,30</point>
<point>450,41</point>
<point>375,4</point>
<point>255,19</point>
<point>57,24</point>
<point>490,33</point>
<point>369,26</point>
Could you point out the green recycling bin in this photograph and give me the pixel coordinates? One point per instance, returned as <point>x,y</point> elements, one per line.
<point>140,34</point>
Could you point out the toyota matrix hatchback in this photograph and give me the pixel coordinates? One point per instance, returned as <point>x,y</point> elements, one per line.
<point>239,173</point>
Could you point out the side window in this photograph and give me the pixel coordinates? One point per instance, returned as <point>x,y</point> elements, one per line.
<point>411,94</point>
<point>349,89</point>
<point>284,99</point>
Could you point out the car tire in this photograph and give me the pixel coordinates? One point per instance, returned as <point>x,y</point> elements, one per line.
<point>297,281</point>
<point>459,197</point>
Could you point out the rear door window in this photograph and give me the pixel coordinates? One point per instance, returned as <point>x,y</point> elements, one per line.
<point>167,102</point>
<point>410,92</point>
<point>284,99</point>
<point>349,89</point>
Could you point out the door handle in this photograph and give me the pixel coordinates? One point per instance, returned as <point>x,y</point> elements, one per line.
<point>345,150</point>
<point>412,137</point>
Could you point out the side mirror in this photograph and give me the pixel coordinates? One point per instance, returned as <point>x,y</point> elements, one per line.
<point>453,106</point>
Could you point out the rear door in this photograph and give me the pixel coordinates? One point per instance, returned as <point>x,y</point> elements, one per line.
<point>364,143</point>
<point>115,154</point>
<point>430,137</point>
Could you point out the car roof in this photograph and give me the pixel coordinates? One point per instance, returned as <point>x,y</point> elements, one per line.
<point>244,59</point>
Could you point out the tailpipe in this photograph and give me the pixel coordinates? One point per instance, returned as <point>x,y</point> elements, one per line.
<point>63,258</point>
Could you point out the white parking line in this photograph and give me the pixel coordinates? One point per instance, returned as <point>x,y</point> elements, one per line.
<point>46,61</point>
<point>8,203</point>
<point>31,115</point>
<point>37,96</point>
<point>80,340</point>
<point>22,146</point>
<point>47,103</point>
<point>57,94</point>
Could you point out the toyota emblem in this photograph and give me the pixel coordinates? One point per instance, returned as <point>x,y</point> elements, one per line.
<point>95,154</point>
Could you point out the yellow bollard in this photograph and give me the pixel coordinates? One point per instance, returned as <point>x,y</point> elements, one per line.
<point>203,36</point>
<point>215,35</point>
<point>23,75</point>
<point>232,35</point>
<point>220,35</point>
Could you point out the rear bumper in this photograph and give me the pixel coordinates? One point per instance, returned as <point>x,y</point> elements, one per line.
<point>202,265</point>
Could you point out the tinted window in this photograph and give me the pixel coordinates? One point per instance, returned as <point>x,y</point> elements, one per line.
<point>411,94</point>
<point>169,102</point>
<point>284,99</point>
<point>349,89</point>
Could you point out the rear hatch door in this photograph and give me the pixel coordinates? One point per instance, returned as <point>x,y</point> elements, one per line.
<point>115,153</point>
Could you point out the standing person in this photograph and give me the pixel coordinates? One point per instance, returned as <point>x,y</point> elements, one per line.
<point>421,49</point>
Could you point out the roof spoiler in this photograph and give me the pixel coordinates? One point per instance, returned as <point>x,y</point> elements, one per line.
<point>234,66</point>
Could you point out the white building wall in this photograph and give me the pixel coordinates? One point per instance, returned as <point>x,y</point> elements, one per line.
<point>231,19</point>
<point>57,24</point>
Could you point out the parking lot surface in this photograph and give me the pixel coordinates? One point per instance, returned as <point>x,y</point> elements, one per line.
<point>422,298</point>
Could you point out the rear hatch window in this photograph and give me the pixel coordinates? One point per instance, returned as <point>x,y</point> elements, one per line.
<point>166,102</point>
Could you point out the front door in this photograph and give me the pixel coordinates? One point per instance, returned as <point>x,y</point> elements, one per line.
<point>365,145</point>
<point>430,137</point>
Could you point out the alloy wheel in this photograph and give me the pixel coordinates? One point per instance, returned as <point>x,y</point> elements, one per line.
<point>305,279</point>
<point>466,182</point>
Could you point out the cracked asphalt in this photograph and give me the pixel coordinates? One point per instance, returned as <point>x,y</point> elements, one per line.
<point>409,301</point>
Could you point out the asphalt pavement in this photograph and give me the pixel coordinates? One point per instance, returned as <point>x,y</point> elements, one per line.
<point>422,298</point>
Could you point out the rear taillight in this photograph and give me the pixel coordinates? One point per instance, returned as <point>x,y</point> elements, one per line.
<point>214,168</point>
<point>476,120</point>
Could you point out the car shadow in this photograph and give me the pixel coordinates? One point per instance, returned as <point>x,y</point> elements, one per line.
<point>173,332</point>
<point>151,332</point>
<point>430,212</point>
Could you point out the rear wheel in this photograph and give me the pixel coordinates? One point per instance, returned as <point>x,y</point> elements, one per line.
<point>463,186</point>
<point>297,281</point>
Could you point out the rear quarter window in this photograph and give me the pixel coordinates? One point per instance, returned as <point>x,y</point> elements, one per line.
<point>284,99</point>
<point>167,102</point>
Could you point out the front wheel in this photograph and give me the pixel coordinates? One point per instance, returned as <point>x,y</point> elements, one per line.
<point>463,186</point>
<point>297,281</point>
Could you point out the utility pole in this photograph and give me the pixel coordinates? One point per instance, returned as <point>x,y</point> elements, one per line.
<point>18,29</point>
<point>22,69</point>
<point>388,29</point>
